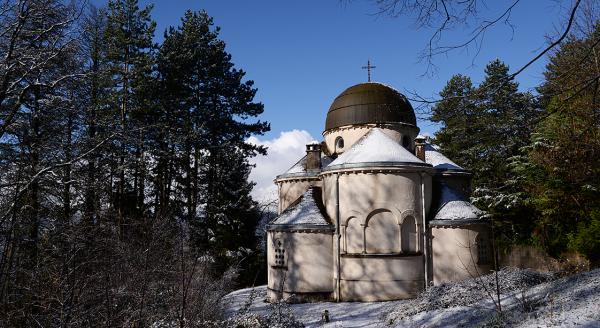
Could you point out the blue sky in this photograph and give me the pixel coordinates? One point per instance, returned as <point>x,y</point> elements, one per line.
<point>302,54</point>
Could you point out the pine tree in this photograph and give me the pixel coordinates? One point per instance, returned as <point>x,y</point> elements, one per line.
<point>129,34</point>
<point>97,118</point>
<point>484,130</point>
<point>459,115</point>
<point>95,125</point>
<point>39,128</point>
<point>214,115</point>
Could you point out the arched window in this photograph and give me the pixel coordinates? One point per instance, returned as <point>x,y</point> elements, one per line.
<point>353,239</point>
<point>382,233</point>
<point>483,249</point>
<point>279,253</point>
<point>409,235</point>
<point>406,142</point>
<point>339,143</point>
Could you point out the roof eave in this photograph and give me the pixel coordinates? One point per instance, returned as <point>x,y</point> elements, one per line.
<point>443,171</point>
<point>296,176</point>
<point>301,227</point>
<point>380,165</point>
<point>459,222</point>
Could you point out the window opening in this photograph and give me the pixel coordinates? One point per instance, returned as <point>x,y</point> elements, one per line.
<point>339,143</point>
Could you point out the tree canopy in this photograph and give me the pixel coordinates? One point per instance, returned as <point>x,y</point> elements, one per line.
<point>124,191</point>
<point>534,158</point>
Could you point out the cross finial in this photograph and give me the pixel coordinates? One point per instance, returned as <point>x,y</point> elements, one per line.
<point>368,68</point>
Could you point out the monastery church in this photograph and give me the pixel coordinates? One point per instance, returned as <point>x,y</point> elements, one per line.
<point>374,212</point>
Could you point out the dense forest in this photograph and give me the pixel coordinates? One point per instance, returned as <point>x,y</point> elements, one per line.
<point>124,192</point>
<point>535,156</point>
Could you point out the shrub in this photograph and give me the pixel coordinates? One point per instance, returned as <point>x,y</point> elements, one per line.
<point>586,239</point>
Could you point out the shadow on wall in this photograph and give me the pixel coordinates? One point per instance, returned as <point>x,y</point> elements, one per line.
<point>381,252</point>
<point>460,252</point>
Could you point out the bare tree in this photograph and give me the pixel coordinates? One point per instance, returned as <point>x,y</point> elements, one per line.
<point>476,17</point>
<point>23,60</point>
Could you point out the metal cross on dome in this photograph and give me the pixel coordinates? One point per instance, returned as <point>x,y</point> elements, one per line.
<point>368,68</point>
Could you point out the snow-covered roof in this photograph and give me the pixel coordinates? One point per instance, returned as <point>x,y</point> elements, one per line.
<point>306,212</point>
<point>299,168</point>
<point>376,147</point>
<point>438,160</point>
<point>454,206</point>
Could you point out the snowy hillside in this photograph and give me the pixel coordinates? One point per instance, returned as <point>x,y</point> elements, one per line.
<point>528,299</point>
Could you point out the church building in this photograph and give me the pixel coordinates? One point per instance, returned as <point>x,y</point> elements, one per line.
<point>374,212</point>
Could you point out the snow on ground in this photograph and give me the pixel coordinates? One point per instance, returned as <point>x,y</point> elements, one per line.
<point>344,314</point>
<point>528,300</point>
<point>568,302</point>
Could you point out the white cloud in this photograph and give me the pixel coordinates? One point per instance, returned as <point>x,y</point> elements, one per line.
<point>283,152</point>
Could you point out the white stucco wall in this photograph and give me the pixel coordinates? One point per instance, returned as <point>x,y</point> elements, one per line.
<point>291,189</point>
<point>373,207</point>
<point>351,134</point>
<point>308,266</point>
<point>371,279</point>
<point>455,253</point>
<point>363,193</point>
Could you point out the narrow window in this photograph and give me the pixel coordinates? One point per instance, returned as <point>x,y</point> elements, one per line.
<point>483,250</point>
<point>339,143</point>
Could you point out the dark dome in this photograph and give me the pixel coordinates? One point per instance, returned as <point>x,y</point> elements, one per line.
<point>369,103</point>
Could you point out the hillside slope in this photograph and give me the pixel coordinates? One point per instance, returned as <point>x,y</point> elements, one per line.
<point>528,299</point>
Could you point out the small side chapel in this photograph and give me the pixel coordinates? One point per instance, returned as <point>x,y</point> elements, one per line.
<point>374,212</point>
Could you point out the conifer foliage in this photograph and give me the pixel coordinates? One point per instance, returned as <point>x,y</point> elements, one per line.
<point>562,168</point>
<point>124,192</point>
<point>535,159</point>
<point>484,130</point>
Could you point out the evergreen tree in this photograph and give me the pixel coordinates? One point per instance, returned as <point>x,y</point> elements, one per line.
<point>459,115</point>
<point>129,34</point>
<point>484,130</point>
<point>97,118</point>
<point>120,167</point>
<point>39,129</point>
<point>214,114</point>
<point>563,167</point>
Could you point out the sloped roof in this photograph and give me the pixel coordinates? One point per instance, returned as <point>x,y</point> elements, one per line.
<point>375,147</point>
<point>299,168</point>
<point>453,206</point>
<point>307,212</point>
<point>438,160</point>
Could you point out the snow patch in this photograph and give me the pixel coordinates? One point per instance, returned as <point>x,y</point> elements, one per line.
<point>438,160</point>
<point>376,146</point>
<point>300,166</point>
<point>453,206</point>
<point>567,302</point>
<point>305,212</point>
